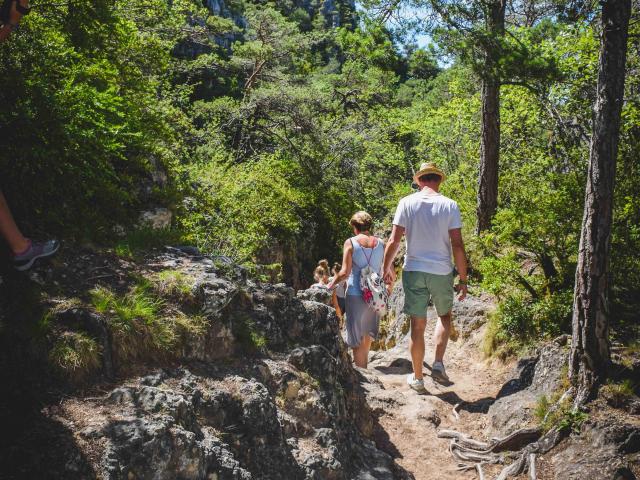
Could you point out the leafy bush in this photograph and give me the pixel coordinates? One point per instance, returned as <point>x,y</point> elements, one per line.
<point>519,321</point>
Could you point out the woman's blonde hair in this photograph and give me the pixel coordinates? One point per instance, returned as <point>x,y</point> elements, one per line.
<point>361,221</point>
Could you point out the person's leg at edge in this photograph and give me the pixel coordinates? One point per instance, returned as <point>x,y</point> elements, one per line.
<point>361,352</point>
<point>442,332</point>
<point>9,230</point>
<point>418,325</point>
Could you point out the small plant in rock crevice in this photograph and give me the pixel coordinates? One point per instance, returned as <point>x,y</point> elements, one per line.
<point>556,410</point>
<point>143,324</point>
<point>173,284</point>
<point>246,332</point>
<point>76,354</point>
<point>619,394</point>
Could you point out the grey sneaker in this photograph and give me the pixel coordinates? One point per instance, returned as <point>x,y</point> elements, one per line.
<point>417,385</point>
<point>36,250</point>
<point>438,373</point>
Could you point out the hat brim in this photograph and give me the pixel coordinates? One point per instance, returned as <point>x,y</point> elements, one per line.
<point>427,171</point>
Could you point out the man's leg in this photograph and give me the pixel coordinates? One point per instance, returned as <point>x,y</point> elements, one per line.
<point>441,288</point>
<point>443,329</point>
<point>416,298</point>
<point>9,230</point>
<point>418,325</point>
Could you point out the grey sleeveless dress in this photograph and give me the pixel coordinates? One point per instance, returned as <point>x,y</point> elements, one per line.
<point>361,319</point>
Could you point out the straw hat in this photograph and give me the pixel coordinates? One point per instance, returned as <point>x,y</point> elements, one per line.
<point>428,167</point>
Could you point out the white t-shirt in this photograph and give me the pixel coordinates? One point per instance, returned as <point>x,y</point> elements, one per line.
<point>427,219</point>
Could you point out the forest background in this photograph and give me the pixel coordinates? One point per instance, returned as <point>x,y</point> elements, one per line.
<point>264,126</point>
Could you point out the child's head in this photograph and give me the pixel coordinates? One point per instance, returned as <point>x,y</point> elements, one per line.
<point>320,274</point>
<point>324,264</point>
<point>336,268</point>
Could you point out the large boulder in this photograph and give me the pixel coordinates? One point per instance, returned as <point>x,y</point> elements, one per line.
<point>544,374</point>
<point>316,294</point>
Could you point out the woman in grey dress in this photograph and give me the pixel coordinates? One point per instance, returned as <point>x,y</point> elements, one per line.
<point>359,251</point>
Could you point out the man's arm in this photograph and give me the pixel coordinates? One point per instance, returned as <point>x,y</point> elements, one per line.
<point>390,252</point>
<point>460,258</point>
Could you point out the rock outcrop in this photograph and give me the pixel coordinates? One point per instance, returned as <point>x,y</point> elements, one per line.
<point>533,377</point>
<point>267,392</point>
<point>603,450</point>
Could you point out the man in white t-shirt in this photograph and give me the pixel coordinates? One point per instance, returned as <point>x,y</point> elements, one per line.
<point>433,228</point>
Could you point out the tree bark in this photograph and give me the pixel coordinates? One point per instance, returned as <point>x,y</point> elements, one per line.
<point>590,353</point>
<point>490,144</point>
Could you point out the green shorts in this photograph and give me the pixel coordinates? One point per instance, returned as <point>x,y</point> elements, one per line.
<point>419,287</point>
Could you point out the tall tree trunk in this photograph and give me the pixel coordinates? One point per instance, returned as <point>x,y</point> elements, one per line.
<point>590,354</point>
<point>490,144</point>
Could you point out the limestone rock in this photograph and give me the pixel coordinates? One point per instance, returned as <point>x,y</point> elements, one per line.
<point>157,218</point>
<point>315,294</point>
<point>267,392</point>
<point>533,377</point>
<point>598,453</point>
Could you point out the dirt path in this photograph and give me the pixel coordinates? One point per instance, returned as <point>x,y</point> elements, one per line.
<point>409,422</point>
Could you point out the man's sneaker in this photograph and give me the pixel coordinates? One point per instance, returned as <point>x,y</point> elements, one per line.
<point>417,385</point>
<point>36,250</point>
<point>438,373</point>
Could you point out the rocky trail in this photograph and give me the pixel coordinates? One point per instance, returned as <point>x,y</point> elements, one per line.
<point>485,400</point>
<point>409,422</point>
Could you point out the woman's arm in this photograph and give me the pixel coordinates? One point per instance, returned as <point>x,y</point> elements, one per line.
<point>336,305</point>
<point>346,265</point>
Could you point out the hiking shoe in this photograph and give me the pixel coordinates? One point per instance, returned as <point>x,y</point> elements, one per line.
<point>417,385</point>
<point>36,250</point>
<point>438,373</point>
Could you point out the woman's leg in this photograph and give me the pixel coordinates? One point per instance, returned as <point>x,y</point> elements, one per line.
<point>9,230</point>
<point>361,352</point>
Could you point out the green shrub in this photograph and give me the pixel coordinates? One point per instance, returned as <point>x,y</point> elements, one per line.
<point>519,322</point>
<point>515,318</point>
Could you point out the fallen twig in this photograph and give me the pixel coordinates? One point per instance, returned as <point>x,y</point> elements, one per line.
<point>455,410</point>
